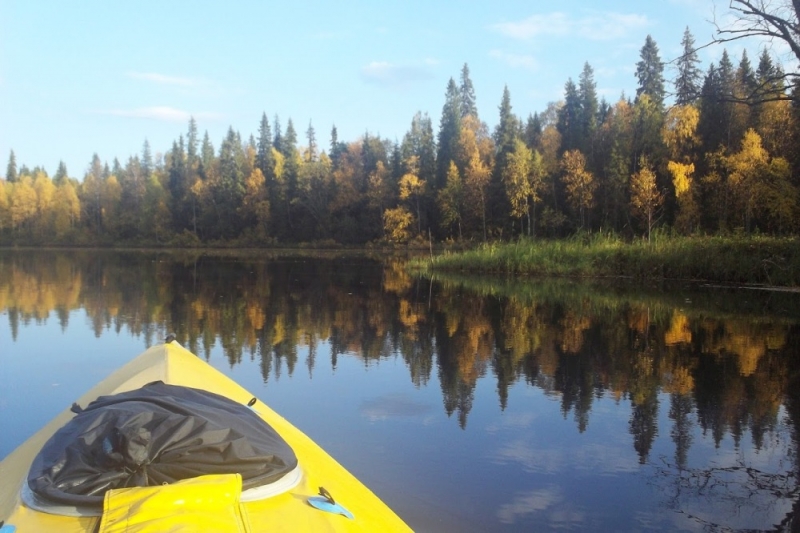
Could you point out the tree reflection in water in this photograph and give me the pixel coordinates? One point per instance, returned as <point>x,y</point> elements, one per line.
<point>721,362</point>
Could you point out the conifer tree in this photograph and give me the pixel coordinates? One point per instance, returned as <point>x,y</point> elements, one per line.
<point>689,78</point>
<point>533,131</point>
<point>587,93</point>
<point>264,161</point>
<point>449,128</point>
<point>191,144</point>
<point>467,93</point>
<point>650,72</point>
<point>337,147</point>
<point>206,154</point>
<point>745,77</point>
<point>147,159</point>
<point>11,168</point>
<point>569,117</point>
<point>61,173</point>
<point>311,137</point>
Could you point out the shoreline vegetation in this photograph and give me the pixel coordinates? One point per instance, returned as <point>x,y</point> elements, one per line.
<point>752,261</point>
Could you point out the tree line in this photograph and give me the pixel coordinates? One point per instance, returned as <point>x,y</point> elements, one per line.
<point>724,156</point>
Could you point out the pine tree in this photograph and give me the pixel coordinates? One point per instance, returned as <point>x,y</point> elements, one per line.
<point>689,78</point>
<point>467,93</point>
<point>11,169</point>
<point>650,72</point>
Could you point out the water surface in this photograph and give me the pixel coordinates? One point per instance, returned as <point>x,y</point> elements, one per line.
<point>466,404</point>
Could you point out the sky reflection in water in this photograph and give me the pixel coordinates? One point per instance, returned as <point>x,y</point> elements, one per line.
<point>468,405</point>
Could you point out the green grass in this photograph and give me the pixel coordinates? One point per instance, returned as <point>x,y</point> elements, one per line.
<point>730,259</point>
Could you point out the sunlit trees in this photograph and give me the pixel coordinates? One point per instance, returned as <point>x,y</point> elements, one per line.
<point>760,186</point>
<point>646,199</point>
<point>568,167</point>
<point>523,179</point>
<point>451,199</point>
<point>66,209</point>
<point>579,182</point>
<point>412,190</point>
<point>397,224</point>
<point>680,138</point>
<point>255,204</point>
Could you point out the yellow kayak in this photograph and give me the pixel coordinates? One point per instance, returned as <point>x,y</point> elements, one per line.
<point>312,493</point>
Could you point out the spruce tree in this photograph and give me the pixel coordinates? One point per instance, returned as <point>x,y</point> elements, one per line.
<point>467,93</point>
<point>449,130</point>
<point>650,73</point>
<point>569,118</point>
<point>505,135</point>
<point>207,154</point>
<point>689,78</point>
<point>11,169</point>
<point>264,160</point>
<point>277,137</point>
<point>746,78</point>
<point>61,173</point>
<point>147,159</point>
<point>533,131</point>
<point>587,92</point>
<point>337,147</point>
<point>311,137</point>
<point>712,111</point>
<point>191,143</point>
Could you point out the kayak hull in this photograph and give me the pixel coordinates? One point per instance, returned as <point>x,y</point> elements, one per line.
<point>290,511</point>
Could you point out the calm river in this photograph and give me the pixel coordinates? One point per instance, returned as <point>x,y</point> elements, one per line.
<point>466,404</point>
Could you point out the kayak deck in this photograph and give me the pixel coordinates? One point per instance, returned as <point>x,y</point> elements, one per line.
<point>290,511</point>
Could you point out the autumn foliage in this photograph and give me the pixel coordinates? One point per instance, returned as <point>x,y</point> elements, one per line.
<point>721,159</point>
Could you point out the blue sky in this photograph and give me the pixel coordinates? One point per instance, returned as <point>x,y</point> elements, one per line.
<point>101,76</point>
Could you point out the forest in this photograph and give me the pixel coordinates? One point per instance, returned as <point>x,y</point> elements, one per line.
<point>713,151</point>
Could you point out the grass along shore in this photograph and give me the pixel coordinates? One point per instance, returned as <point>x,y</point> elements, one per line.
<point>758,260</point>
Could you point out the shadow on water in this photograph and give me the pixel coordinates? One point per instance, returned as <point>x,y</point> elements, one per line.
<point>720,363</point>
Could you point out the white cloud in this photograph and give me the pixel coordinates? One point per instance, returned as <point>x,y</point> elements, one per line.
<point>395,75</point>
<point>529,503</point>
<point>595,26</point>
<point>163,113</point>
<point>527,62</point>
<point>163,79</point>
<point>392,406</point>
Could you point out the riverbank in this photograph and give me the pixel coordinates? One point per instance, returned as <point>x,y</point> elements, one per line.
<point>746,260</point>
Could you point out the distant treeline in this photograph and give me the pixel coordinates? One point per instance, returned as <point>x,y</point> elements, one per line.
<point>723,157</point>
